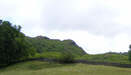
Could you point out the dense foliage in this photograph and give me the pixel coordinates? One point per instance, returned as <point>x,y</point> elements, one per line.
<point>13,46</point>
<point>129,53</point>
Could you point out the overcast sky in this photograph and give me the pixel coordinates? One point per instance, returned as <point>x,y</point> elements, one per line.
<point>98,26</point>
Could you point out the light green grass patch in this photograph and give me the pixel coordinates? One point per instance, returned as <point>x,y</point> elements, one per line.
<point>46,68</point>
<point>111,58</point>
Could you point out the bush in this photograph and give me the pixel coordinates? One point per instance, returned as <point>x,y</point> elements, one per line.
<point>129,55</point>
<point>67,58</point>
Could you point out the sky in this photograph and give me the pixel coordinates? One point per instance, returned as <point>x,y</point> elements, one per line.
<point>98,26</point>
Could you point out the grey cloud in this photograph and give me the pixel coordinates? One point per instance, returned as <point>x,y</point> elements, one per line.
<point>97,20</point>
<point>6,10</point>
<point>61,15</point>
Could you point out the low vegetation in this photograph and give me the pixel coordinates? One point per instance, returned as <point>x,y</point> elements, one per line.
<point>107,57</point>
<point>58,56</point>
<point>46,68</point>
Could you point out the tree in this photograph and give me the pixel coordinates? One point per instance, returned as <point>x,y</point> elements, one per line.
<point>13,46</point>
<point>129,53</point>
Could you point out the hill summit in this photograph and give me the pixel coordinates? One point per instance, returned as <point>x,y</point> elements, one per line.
<point>45,44</point>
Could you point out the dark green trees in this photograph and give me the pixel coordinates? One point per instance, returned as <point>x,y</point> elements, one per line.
<point>129,53</point>
<point>13,46</point>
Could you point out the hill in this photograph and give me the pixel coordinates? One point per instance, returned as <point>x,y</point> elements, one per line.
<point>44,44</point>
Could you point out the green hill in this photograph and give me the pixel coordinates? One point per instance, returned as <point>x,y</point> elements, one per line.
<point>44,44</point>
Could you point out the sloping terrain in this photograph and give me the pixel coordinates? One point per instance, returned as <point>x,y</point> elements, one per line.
<point>46,68</point>
<point>44,44</point>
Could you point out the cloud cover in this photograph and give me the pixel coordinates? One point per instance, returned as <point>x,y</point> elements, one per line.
<point>96,25</point>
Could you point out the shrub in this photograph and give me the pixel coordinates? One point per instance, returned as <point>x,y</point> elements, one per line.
<point>129,55</point>
<point>67,58</point>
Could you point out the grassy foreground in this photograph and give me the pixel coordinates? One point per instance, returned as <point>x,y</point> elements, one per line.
<point>46,68</point>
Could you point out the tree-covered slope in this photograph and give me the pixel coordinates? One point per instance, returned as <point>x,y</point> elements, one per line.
<point>44,44</point>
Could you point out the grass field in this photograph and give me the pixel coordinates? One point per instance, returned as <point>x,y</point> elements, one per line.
<point>46,68</point>
<point>111,58</point>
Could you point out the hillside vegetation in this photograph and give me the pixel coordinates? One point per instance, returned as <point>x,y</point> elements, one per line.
<point>44,44</point>
<point>46,68</point>
<point>16,47</point>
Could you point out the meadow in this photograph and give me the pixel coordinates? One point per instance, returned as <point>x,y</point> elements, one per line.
<point>47,68</point>
<point>110,58</point>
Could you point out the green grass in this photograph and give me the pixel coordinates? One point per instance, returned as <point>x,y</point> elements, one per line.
<point>46,68</point>
<point>112,58</point>
<point>49,55</point>
<point>62,57</point>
